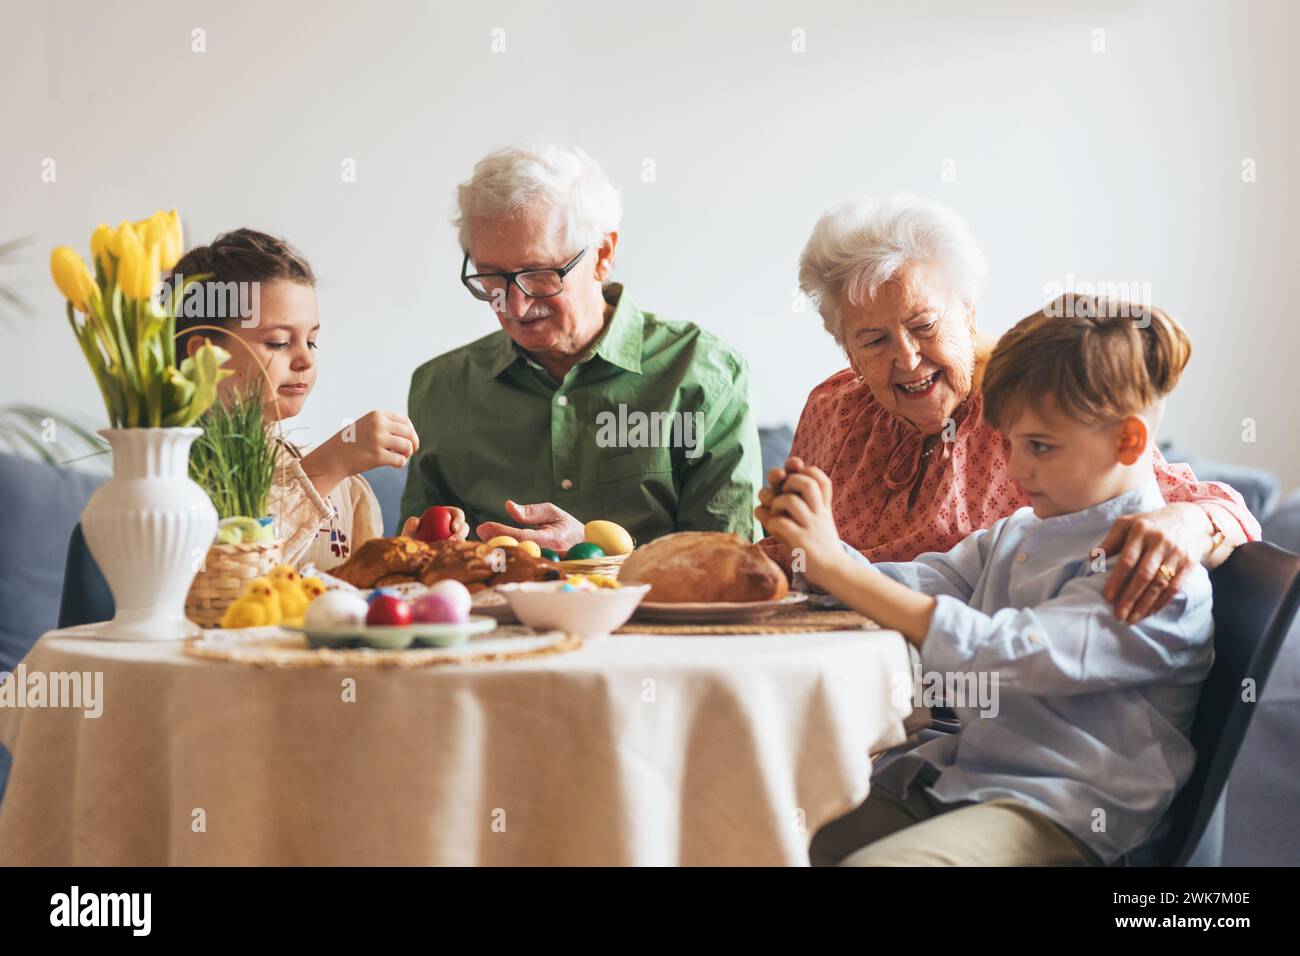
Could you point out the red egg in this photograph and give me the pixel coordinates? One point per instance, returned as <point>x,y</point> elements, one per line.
<point>389,611</point>
<point>435,524</point>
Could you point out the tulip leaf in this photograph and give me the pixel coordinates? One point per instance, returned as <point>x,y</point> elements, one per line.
<point>203,368</point>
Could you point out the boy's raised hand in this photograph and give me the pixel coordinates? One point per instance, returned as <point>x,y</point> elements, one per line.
<point>377,438</point>
<point>796,509</point>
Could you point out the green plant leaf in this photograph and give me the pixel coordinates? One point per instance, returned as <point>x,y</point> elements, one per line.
<point>234,459</point>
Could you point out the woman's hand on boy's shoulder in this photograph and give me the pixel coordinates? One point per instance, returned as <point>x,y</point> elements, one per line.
<point>1157,550</point>
<point>375,439</point>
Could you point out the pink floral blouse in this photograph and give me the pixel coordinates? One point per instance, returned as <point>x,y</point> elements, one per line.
<point>872,457</point>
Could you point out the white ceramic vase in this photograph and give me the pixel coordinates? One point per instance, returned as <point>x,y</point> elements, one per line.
<point>149,527</point>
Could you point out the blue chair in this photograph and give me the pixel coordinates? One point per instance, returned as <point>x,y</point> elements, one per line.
<point>1256,596</point>
<point>86,597</point>
<point>388,484</point>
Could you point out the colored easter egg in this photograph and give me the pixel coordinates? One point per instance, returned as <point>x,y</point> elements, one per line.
<point>609,537</point>
<point>388,611</point>
<point>455,592</point>
<point>334,608</point>
<point>438,609</point>
<point>435,524</point>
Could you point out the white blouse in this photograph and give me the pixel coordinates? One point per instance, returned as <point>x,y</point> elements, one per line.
<point>316,529</point>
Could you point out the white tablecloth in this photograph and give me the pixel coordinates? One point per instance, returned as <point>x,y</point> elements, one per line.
<point>642,749</point>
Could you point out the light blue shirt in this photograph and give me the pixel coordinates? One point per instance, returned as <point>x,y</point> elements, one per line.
<point>1093,714</point>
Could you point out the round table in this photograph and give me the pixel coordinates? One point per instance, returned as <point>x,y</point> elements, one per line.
<point>631,750</point>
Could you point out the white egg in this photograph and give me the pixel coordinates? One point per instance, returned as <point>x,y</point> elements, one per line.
<point>454,591</point>
<point>336,607</point>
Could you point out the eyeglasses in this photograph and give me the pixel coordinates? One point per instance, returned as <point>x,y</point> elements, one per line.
<point>534,283</point>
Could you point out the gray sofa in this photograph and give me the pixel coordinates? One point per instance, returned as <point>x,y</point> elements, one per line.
<point>40,505</point>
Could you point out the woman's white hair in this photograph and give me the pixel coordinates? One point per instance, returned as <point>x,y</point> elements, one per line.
<point>858,246</point>
<point>566,180</point>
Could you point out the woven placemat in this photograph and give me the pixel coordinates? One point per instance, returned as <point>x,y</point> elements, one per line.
<point>793,621</point>
<point>280,650</point>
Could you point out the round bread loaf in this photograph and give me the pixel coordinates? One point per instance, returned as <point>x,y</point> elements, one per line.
<point>706,566</point>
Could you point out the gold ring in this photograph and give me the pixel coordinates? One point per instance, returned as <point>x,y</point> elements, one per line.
<point>1166,573</point>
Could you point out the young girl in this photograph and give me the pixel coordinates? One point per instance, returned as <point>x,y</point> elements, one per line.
<point>263,292</point>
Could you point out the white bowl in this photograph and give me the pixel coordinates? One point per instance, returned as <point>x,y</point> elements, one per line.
<point>543,606</point>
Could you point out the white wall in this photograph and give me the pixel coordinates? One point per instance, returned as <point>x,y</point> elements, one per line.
<point>1121,165</point>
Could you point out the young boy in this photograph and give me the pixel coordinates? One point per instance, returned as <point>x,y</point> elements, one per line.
<point>325,508</point>
<point>1089,743</point>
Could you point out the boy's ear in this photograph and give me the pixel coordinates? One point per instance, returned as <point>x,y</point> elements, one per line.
<point>1133,436</point>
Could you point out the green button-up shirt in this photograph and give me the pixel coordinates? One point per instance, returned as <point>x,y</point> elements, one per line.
<point>650,430</point>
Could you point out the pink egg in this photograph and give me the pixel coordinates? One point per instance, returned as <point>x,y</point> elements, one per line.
<point>439,609</point>
<point>455,592</point>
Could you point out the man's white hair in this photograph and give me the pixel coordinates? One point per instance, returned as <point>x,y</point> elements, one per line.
<point>566,180</point>
<point>858,246</point>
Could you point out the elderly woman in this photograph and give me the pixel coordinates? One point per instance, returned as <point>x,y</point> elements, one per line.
<point>900,433</point>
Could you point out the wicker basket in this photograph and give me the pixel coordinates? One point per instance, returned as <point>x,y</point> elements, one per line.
<point>226,571</point>
<point>609,565</point>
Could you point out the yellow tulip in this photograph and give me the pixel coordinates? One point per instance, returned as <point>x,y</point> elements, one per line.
<point>72,277</point>
<point>101,241</point>
<point>116,235</point>
<point>163,229</point>
<point>137,268</point>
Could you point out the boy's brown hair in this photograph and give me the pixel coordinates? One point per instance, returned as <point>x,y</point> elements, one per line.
<point>243,255</point>
<point>1098,358</point>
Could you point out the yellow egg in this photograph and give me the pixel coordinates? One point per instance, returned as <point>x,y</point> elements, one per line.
<point>503,541</point>
<point>530,547</point>
<point>609,537</point>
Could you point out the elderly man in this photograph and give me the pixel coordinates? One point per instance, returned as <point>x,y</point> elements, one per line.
<point>582,405</point>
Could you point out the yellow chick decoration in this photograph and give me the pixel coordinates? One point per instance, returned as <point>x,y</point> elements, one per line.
<point>293,599</point>
<point>313,588</point>
<point>259,605</point>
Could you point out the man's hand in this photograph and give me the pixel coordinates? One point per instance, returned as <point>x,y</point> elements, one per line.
<point>377,438</point>
<point>552,526</point>
<point>459,529</point>
<point>796,509</point>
